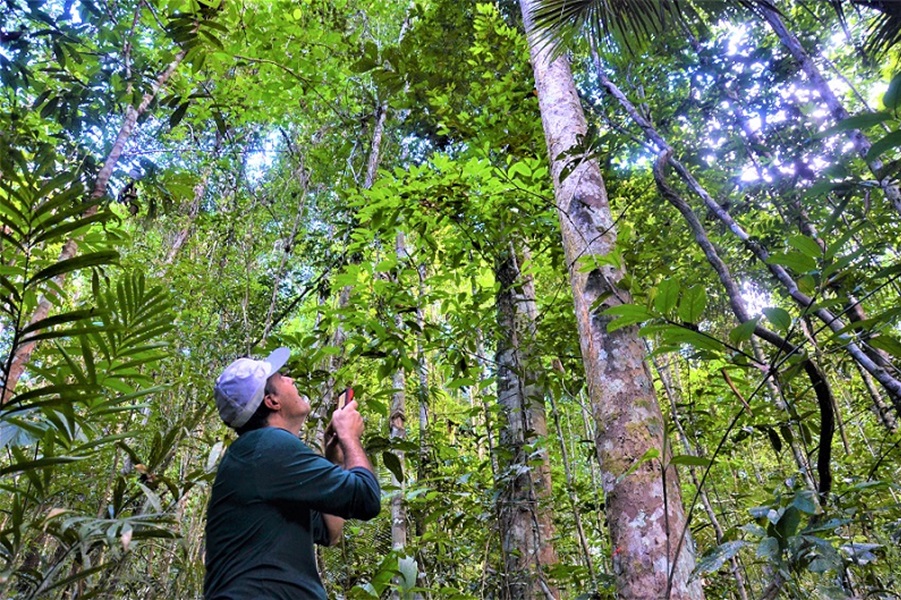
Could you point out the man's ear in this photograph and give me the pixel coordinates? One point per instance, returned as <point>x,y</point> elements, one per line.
<point>271,401</point>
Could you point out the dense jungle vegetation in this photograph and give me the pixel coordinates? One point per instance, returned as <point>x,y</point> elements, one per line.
<point>616,284</point>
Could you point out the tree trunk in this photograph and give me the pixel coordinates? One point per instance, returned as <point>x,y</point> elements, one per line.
<point>524,512</point>
<point>571,490</point>
<point>653,553</point>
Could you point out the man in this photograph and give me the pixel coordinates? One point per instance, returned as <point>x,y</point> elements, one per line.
<point>273,497</point>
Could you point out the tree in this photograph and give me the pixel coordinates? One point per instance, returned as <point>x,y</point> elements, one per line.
<point>654,555</point>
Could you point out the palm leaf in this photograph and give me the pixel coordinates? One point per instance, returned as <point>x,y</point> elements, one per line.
<point>885,30</point>
<point>627,24</point>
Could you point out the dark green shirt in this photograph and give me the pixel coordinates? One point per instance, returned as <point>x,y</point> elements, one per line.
<point>265,515</point>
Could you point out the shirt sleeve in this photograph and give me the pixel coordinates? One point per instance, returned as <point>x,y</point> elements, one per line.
<point>318,530</point>
<point>289,471</point>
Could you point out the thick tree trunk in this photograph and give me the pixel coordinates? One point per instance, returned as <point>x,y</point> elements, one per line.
<point>653,554</point>
<point>23,353</point>
<point>524,511</point>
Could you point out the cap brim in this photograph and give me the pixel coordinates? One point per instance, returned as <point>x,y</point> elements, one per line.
<point>278,358</point>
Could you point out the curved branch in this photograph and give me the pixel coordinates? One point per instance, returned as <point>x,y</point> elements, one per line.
<point>817,380</point>
<point>860,353</point>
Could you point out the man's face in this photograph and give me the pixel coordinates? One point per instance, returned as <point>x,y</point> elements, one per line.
<point>294,406</point>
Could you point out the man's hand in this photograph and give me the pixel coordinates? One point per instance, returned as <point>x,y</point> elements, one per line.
<point>347,423</point>
<point>343,436</point>
<point>333,451</point>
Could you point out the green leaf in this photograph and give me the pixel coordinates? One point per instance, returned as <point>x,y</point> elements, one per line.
<point>788,524</point>
<point>861,121</point>
<point>717,557</point>
<point>69,317</point>
<point>667,295</point>
<point>628,314</point>
<point>692,461</point>
<point>886,343</point>
<point>41,463</point>
<point>743,332</point>
<point>890,141</point>
<point>892,96</point>
<point>778,317</point>
<point>178,114</point>
<point>796,261</point>
<point>694,301</point>
<point>775,442</point>
<point>769,549</point>
<point>806,246</point>
<point>93,259</point>
<point>650,454</point>
<point>392,462</point>
<point>806,502</point>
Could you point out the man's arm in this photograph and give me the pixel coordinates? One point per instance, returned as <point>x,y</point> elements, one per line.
<point>335,527</point>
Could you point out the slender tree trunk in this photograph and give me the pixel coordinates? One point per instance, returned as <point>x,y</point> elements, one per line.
<point>22,354</point>
<point>397,431</point>
<point>525,517</point>
<point>571,490</point>
<point>653,553</point>
<point>287,252</point>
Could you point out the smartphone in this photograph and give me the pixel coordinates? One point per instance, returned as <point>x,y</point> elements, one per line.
<point>346,396</point>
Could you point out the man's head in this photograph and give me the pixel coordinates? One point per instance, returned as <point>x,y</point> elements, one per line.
<point>240,388</point>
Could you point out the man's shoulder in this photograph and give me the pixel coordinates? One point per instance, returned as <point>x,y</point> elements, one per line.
<point>272,437</point>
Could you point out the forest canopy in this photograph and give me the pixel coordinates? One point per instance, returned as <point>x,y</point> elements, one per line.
<point>616,284</point>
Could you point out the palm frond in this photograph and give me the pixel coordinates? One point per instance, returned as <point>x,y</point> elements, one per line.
<point>623,24</point>
<point>885,30</point>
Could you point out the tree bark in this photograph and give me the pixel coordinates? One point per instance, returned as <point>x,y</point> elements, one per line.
<point>653,553</point>
<point>525,479</point>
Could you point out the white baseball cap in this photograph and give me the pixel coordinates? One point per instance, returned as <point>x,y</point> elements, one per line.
<point>239,390</point>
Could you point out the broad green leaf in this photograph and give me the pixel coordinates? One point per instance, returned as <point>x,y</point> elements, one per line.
<point>392,463</point>
<point>743,332</point>
<point>806,246</point>
<point>693,303</point>
<point>892,97</point>
<point>769,549</point>
<point>717,557</point>
<point>806,502</point>
<point>788,523</point>
<point>667,295</point>
<point>889,142</point>
<point>627,314</point>
<point>683,335</point>
<point>886,343</point>
<point>778,317</point>
<point>693,461</point>
<point>796,261</point>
